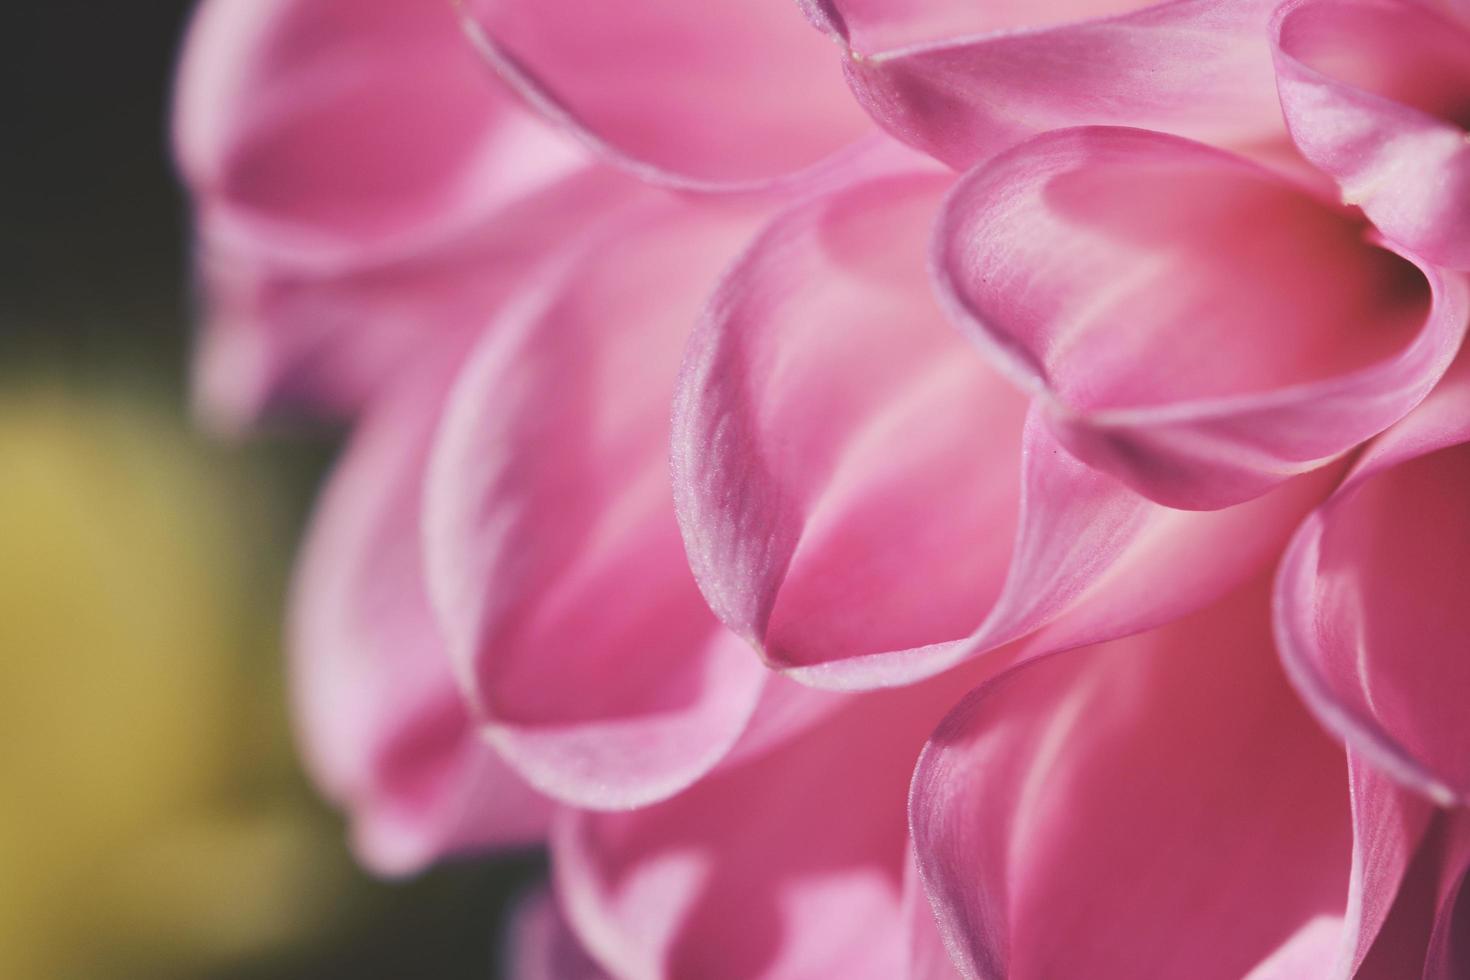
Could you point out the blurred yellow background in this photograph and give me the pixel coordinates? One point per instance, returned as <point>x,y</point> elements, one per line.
<point>155,828</point>
<point>155,822</point>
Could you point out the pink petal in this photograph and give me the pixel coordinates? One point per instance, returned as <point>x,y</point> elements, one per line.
<point>1377,94</point>
<point>1196,325</point>
<point>344,157</point>
<point>716,95</point>
<point>789,866</point>
<point>964,81</point>
<point>327,129</point>
<point>1377,572</point>
<point>554,558</point>
<point>543,947</point>
<point>1173,773</point>
<point>279,338</point>
<point>866,502</point>
<point>385,731</point>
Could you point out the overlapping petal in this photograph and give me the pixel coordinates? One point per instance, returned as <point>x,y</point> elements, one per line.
<point>721,94</point>
<point>1377,94</point>
<point>1199,326</point>
<point>867,502</point>
<point>383,726</point>
<point>345,159</point>
<point>1372,616</point>
<point>791,865</point>
<point>963,81</point>
<point>1175,773</point>
<point>555,562</point>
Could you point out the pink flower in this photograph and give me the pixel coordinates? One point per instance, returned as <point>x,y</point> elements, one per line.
<point>848,566</point>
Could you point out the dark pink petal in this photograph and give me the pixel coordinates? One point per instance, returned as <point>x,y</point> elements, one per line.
<point>383,726</point>
<point>1196,325</point>
<point>789,866</point>
<point>1372,618</point>
<point>1174,774</point>
<point>543,947</point>
<point>721,94</point>
<point>554,558</point>
<point>1377,94</point>
<point>864,500</point>
<point>964,81</point>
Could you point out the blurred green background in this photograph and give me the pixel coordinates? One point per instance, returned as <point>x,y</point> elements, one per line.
<point>154,821</point>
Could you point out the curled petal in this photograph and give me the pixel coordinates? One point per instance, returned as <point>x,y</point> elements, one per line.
<point>868,503</point>
<point>1377,94</point>
<point>1371,618</point>
<point>1196,325</point>
<point>963,81</point>
<point>716,95</point>
<point>787,867</point>
<point>555,563</point>
<point>384,729</point>
<point>1173,771</point>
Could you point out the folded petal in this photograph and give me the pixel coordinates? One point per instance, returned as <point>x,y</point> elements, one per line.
<point>791,865</point>
<point>1371,615</point>
<point>1173,772</point>
<point>964,81</point>
<point>1198,326</point>
<point>384,729</point>
<point>555,563</point>
<point>1377,94</point>
<point>543,947</point>
<point>721,94</point>
<point>866,501</point>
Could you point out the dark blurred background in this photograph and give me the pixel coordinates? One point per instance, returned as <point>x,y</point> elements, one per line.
<point>155,822</point>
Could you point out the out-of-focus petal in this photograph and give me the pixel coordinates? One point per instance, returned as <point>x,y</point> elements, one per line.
<point>383,726</point>
<point>1377,94</point>
<point>353,170</point>
<point>866,501</point>
<point>1196,325</point>
<point>1372,619</point>
<point>278,338</point>
<point>334,130</point>
<point>543,947</point>
<point>1173,772</point>
<point>555,562</point>
<point>789,866</point>
<point>964,81</point>
<point>720,94</point>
